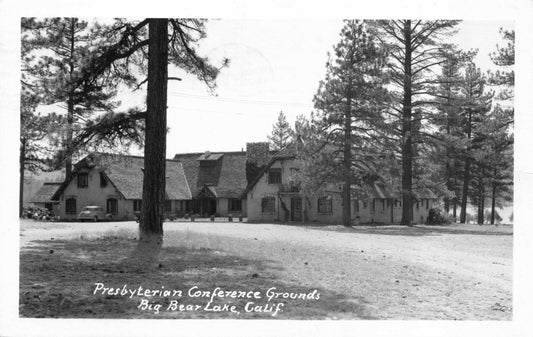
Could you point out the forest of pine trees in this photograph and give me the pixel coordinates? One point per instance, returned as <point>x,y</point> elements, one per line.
<point>402,106</point>
<point>399,104</point>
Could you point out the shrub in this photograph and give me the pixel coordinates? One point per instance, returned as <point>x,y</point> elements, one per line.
<point>438,217</point>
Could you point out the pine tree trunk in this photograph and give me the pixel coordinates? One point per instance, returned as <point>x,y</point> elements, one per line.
<point>21,170</point>
<point>347,169</point>
<point>464,197</point>
<point>455,196</point>
<point>407,142</point>
<point>493,204</point>
<point>482,213</point>
<point>466,180</point>
<point>70,122</point>
<point>482,197</point>
<point>70,100</point>
<point>151,223</point>
<point>448,171</point>
<point>480,209</point>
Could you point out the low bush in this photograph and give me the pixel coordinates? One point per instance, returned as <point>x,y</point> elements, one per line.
<point>438,217</point>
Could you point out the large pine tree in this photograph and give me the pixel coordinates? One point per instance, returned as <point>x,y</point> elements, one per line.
<point>415,49</point>
<point>281,134</point>
<point>448,136</point>
<point>350,97</point>
<point>476,104</point>
<point>55,50</point>
<point>151,45</point>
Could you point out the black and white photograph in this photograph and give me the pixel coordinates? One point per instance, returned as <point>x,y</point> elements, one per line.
<point>269,175</point>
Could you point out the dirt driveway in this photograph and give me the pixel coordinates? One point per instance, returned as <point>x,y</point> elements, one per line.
<point>456,272</point>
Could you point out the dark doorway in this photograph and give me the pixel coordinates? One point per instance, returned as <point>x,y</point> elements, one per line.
<point>112,206</point>
<point>296,209</point>
<point>212,206</point>
<point>209,206</point>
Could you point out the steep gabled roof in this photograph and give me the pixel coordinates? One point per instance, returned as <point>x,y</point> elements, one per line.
<point>125,174</point>
<point>374,190</point>
<point>288,152</point>
<point>45,193</point>
<point>424,193</point>
<point>378,190</point>
<point>223,172</point>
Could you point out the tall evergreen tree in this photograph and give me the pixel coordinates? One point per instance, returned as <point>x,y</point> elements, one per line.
<point>351,96</point>
<point>157,42</point>
<point>475,106</point>
<point>449,137</point>
<point>499,127</point>
<point>282,133</point>
<point>56,50</point>
<point>416,49</point>
<point>36,132</point>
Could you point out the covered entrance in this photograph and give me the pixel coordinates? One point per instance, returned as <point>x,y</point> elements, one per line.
<point>296,209</point>
<point>208,200</point>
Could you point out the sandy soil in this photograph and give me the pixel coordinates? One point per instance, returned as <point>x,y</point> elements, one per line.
<point>392,272</point>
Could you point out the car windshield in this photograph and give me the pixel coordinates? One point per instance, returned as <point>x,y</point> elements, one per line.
<point>91,208</point>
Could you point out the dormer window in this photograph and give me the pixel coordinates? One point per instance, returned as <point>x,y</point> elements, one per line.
<point>103,180</point>
<point>274,176</point>
<point>83,180</point>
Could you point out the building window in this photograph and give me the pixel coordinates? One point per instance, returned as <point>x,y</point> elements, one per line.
<point>373,205</point>
<point>112,206</point>
<point>234,205</point>
<point>103,180</point>
<point>417,205</point>
<point>137,204</point>
<point>427,203</point>
<point>70,205</point>
<point>268,205</point>
<point>168,206</point>
<point>83,180</point>
<point>365,204</point>
<point>383,201</point>
<point>325,205</point>
<point>357,206</point>
<point>274,176</point>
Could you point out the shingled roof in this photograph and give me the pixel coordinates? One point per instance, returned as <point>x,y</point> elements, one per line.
<point>125,173</point>
<point>223,172</point>
<point>288,152</point>
<point>380,191</point>
<point>45,193</point>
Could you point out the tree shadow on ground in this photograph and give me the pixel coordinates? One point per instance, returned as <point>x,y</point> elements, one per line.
<point>414,230</point>
<point>58,279</point>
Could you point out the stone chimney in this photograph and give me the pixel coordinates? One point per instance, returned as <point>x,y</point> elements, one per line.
<point>257,157</point>
<point>258,153</point>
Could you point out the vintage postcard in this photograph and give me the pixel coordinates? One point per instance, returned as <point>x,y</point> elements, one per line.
<point>354,173</point>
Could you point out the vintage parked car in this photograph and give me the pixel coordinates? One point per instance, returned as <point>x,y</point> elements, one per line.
<point>92,213</point>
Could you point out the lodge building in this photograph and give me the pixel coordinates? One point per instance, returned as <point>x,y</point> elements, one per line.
<point>257,184</point>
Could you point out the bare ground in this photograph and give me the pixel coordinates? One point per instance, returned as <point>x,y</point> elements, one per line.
<point>390,272</point>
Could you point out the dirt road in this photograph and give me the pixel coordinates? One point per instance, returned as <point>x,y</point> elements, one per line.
<point>422,272</point>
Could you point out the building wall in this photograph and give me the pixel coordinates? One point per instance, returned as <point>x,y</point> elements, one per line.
<point>93,195</point>
<point>222,208</point>
<point>335,217</point>
<point>263,189</point>
<point>381,213</point>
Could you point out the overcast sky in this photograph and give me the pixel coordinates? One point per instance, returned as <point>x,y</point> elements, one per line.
<point>276,65</point>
